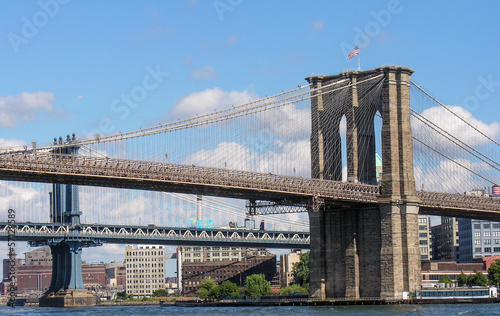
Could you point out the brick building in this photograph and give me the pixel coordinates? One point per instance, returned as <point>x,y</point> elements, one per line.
<point>235,271</point>
<point>38,277</point>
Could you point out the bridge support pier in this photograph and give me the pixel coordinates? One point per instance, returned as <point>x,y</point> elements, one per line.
<point>366,252</point>
<point>66,287</point>
<point>359,250</point>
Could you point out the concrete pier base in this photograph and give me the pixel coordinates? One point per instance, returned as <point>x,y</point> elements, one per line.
<point>71,298</point>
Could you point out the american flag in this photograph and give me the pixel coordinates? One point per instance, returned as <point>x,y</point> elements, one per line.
<point>354,52</point>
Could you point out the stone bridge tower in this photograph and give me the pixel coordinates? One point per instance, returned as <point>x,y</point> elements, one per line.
<point>360,250</point>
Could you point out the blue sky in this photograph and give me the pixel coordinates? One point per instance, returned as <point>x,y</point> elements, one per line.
<point>68,65</point>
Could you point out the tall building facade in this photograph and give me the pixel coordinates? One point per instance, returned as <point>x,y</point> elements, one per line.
<point>145,269</point>
<point>286,270</point>
<point>207,254</point>
<point>424,237</point>
<point>436,241</point>
<point>479,238</point>
<point>449,249</point>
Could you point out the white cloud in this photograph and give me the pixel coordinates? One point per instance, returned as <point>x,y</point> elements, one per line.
<point>203,102</point>
<point>207,72</point>
<point>454,126</point>
<point>11,143</point>
<point>292,158</point>
<point>317,25</point>
<point>29,200</point>
<point>25,107</point>
<point>448,176</point>
<point>228,155</point>
<point>105,253</point>
<point>288,121</point>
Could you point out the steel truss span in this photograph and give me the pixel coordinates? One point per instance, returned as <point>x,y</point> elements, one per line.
<point>40,233</point>
<point>132,174</point>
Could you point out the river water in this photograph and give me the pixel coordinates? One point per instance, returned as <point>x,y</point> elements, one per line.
<point>414,310</point>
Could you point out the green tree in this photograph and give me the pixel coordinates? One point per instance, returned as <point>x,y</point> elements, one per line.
<point>477,279</point>
<point>293,289</point>
<point>301,271</point>
<point>160,293</point>
<point>257,285</point>
<point>229,289</point>
<point>494,272</point>
<point>462,279</point>
<point>446,279</point>
<point>209,289</point>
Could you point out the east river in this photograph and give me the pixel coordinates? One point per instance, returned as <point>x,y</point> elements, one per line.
<point>414,310</point>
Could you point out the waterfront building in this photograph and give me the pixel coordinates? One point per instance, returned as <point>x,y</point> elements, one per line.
<point>432,272</point>
<point>286,262</point>
<point>235,271</point>
<point>36,278</point>
<point>478,238</point>
<point>116,275</point>
<point>40,256</point>
<point>144,270</point>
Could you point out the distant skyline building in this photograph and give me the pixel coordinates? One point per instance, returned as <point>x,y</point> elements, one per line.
<point>145,269</point>
<point>222,263</point>
<point>235,271</point>
<point>286,266</point>
<point>479,238</point>
<point>450,230</point>
<point>424,237</point>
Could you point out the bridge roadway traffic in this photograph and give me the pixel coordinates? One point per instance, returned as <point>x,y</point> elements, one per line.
<point>143,175</point>
<point>175,236</point>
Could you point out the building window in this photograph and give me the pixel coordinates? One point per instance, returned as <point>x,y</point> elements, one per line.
<point>496,226</point>
<point>477,241</point>
<point>477,250</point>
<point>477,226</point>
<point>497,241</point>
<point>422,227</point>
<point>487,249</point>
<point>496,249</point>
<point>496,234</point>
<point>487,241</point>
<point>477,234</point>
<point>423,235</point>
<point>422,220</point>
<point>487,234</point>
<point>423,249</point>
<point>423,242</point>
<point>486,226</point>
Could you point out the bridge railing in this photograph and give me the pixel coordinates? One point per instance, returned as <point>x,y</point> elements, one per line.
<point>206,176</point>
<point>458,201</point>
<point>267,185</point>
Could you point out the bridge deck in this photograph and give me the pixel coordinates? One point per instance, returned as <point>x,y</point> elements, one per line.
<point>175,236</point>
<point>131,174</point>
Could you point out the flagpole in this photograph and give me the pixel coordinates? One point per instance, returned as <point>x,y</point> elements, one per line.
<point>359,67</point>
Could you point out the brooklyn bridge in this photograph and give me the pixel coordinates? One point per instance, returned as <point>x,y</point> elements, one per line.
<point>362,152</point>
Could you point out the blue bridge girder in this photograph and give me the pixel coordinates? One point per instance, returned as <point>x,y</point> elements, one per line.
<point>44,233</point>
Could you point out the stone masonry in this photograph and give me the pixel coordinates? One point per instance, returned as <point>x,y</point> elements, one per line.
<point>359,250</point>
